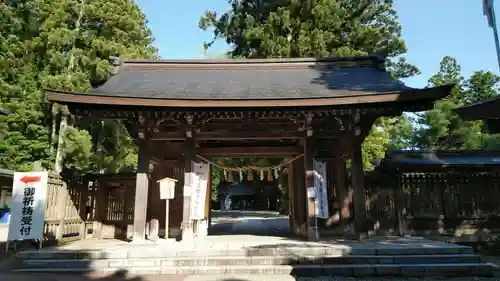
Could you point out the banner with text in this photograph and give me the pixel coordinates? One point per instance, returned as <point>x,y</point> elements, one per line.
<point>28,206</point>
<point>321,194</point>
<point>201,172</point>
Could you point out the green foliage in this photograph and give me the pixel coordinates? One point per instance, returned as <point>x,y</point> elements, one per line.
<point>66,45</point>
<point>317,28</point>
<point>312,28</point>
<point>386,133</point>
<point>441,127</point>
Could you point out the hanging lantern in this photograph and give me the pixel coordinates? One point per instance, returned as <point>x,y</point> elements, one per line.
<point>224,175</point>
<point>250,175</point>
<point>241,175</point>
<point>261,175</point>
<point>230,176</point>
<point>270,175</point>
<point>276,175</point>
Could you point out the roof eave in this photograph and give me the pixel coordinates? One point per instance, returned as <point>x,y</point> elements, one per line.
<point>73,98</point>
<point>481,110</point>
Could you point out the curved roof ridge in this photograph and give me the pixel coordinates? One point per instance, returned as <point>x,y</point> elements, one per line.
<point>374,58</point>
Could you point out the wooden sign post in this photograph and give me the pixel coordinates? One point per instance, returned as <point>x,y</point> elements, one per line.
<point>167,192</point>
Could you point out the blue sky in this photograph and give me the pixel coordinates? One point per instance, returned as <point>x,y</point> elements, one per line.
<point>432,29</point>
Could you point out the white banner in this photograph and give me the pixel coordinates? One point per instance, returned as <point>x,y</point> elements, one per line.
<point>28,206</point>
<point>201,173</point>
<point>321,193</point>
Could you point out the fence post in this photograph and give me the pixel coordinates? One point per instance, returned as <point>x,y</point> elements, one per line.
<point>61,209</point>
<point>84,186</point>
<point>101,207</point>
<point>400,207</point>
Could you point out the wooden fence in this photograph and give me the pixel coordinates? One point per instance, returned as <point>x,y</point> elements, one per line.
<point>81,206</point>
<point>456,205</point>
<point>461,205</point>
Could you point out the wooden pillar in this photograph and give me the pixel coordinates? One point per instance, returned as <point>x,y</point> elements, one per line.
<point>300,209</point>
<point>155,206</point>
<point>344,192</point>
<point>312,224</point>
<point>291,201</point>
<point>141,193</point>
<point>358,187</point>
<point>189,155</point>
<point>208,198</point>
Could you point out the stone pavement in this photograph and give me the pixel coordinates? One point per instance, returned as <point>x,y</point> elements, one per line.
<point>250,223</point>
<point>244,232</point>
<point>239,233</point>
<point>65,277</point>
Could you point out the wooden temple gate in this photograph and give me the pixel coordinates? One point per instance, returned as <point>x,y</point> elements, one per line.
<point>177,111</point>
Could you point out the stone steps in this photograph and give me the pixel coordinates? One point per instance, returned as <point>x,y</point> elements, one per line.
<point>255,261</point>
<point>159,252</point>
<point>358,270</point>
<point>406,258</point>
<point>369,265</point>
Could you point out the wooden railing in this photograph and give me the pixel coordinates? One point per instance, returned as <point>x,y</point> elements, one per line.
<point>77,206</point>
<point>64,206</point>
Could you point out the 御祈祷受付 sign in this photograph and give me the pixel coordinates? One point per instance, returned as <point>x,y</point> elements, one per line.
<point>28,206</point>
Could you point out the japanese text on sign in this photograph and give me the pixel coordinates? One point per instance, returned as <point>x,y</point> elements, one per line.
<point>321,195</point>
<point>199,192</point>
<point>28,206</point>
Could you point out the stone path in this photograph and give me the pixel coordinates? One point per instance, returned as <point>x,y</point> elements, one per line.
<point>244,231</point>
<point>65,277</point>
<point>250,223</point>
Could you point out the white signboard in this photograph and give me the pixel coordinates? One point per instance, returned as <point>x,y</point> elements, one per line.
<point>28,206</point>
<point>198,195</point>
<point>167,188</point>
<point>321,194</point>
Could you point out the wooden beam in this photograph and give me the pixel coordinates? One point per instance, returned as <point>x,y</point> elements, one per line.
<point>248,135</point>
<point>241,135</point>
<point>228,135</point>
<point>250,151</point>
<point>167,136</point>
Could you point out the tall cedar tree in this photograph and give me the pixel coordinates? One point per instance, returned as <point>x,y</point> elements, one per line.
<point>64,44</point>
<point>318,28</point>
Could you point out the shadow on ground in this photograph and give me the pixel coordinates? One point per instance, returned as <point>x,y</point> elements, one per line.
<point>239,214</point>
<point>121,275</point>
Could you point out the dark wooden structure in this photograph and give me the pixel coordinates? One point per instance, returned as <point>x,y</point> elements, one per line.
<point>454,195</point>
<point>487,110</point>
<point>178,109</point>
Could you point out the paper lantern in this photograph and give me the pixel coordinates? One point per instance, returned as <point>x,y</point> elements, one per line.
<point>250,175</point>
